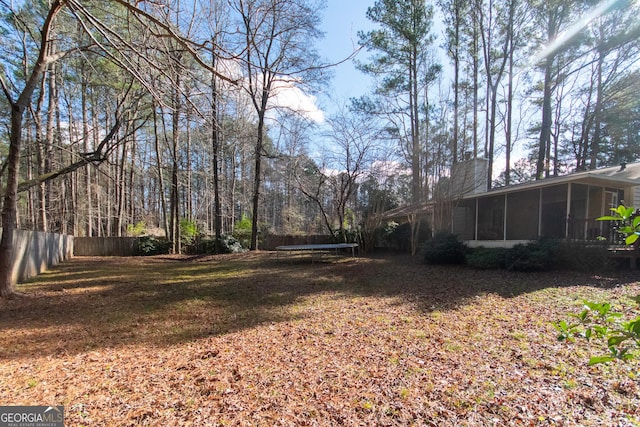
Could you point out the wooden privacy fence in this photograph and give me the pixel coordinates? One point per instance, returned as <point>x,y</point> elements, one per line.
<point>36,251</point>
<point>105,246</point>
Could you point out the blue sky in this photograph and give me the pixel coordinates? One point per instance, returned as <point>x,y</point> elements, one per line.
<point>342,19</point>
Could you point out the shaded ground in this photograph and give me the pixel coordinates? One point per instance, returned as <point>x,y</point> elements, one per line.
<point>252,340</point>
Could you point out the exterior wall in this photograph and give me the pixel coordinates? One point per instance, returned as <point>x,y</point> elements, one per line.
<point>36,251</point>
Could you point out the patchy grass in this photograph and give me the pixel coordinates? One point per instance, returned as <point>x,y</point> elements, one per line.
<point>250,340</point>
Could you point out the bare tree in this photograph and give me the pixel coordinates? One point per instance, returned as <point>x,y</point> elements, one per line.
<point>351,152</point>
<point>103,38</point>
<point>19,105</point>
<point>278,51</point>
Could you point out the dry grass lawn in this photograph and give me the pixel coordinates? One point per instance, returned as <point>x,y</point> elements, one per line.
<point>249,340</point>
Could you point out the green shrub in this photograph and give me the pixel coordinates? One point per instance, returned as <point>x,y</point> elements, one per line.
<point>137,229</point>
<point>583,256</point>
<point>228,245</point>
<point>487,258</point>
<point>543,255</point>
<point>242,230</point>
<point>444,248</point>
<point>188,232</point>
<point>149,245</point>
<point>527,258</point>
<point>210,245</point>
<point>244,224</point>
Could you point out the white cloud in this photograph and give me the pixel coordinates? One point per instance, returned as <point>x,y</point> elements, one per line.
<point>287,94</point>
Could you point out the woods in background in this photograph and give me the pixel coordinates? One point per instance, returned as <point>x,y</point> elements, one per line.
<point>160,112</point>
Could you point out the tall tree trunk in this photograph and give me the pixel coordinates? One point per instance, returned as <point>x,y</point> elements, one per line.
<point>189,184</point>
<point>215,142</point>
<point>52,115</point>
<point>456,80</point>
<point>475,47</point>
<point>553,17</point>
<point>597,114</point>
<point>161,186</point>
<point>18,107</point>
<point>174,219</point>
<point>40,156</point>
<point>121,189</point>
<point>416,163</point>
<point>85,146</point>
<point>545,126</point>
<point>508,128</point>
<point>494,76</point>
<point>257,179</point>
<point>131,202</point>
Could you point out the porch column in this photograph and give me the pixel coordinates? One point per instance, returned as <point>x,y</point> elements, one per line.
<point>504,219</point>
<point>566,220</point>
<point>539,212</point>
<point>475,231</point>
<point>587,221</point>
<point>602,210</point>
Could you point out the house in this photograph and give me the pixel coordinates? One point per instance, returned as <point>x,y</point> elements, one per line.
<point>562,207</point>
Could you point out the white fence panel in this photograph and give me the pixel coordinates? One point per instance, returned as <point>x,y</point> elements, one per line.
<point>36,251</point>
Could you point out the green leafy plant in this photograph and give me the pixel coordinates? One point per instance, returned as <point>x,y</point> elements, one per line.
<point>629,221</point>
<point>601,321</point>
<point>188,231</point>
<point>149,245</point>
<point>137,229</point>
<point>242,230</point>
<point>577,255</point>
<point>618,329</point>
<point>243,225</point>
<point>228,245</point>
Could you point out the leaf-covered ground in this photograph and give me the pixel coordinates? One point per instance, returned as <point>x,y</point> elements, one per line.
<point>250,340</point>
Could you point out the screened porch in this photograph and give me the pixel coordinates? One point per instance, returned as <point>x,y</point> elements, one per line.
<point>563,211</point>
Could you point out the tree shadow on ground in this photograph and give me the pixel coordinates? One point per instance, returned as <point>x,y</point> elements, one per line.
<point>92,303</point>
